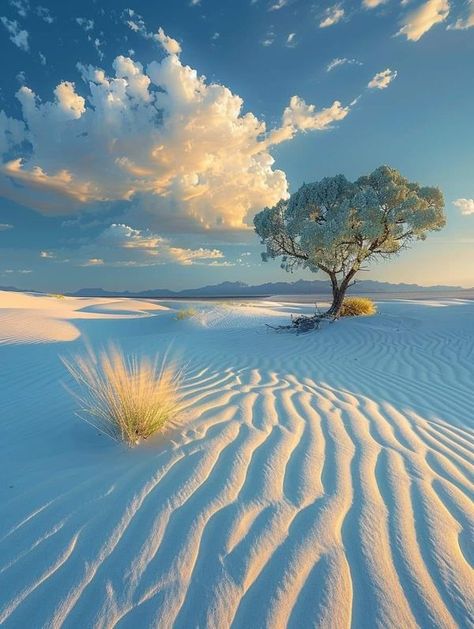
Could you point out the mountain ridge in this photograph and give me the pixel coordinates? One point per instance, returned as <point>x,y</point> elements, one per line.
<point>242,289</point>
<point>267,289</point>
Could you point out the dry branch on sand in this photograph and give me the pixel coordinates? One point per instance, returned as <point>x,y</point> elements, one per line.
<point>351,307</point>
<point>127,398</point>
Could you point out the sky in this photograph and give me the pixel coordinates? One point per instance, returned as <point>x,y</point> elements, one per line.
<point>139,139</point>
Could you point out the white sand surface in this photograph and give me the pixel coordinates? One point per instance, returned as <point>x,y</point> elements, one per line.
<point>321,480</point>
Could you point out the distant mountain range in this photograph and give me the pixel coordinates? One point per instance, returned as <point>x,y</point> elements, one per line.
<point>241,289</point>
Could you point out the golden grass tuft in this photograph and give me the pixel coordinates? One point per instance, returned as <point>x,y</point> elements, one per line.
<point>56,295</point>
<point>127,398</point>
<point>186,313</point>
<point>358,307</point>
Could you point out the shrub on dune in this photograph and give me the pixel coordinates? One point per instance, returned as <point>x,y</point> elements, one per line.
<point>186,313</point>
<point>128,398</point>
<point>358,307</point>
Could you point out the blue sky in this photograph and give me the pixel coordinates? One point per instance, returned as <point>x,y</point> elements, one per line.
<point>122,167</point>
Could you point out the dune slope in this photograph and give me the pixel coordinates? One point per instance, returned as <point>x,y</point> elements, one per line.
<point>324,480</point>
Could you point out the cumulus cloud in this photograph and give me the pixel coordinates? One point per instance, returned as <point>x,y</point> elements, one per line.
<point>290,40</point>
<point>382,79</point>
<point>340,61</point>
<point>463,23</point>
<point>12,132</point>
<point>300,116</point>
<point>465,205</point>
<point>332,16</point>
<point>17,35</point>
<point>171,46</point>
<point>179,148</point>
<point>420,20</point>
<point>122,245</point>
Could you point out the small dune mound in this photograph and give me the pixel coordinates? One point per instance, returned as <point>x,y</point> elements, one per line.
<point>358,307</point>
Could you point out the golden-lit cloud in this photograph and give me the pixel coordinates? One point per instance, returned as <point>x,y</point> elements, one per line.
<point>423,18</point>
<point>382,79</point>
<point>163,137</point>
<point>465,205</point>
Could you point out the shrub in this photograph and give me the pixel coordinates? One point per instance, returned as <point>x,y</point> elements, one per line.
<point>128,398</point>
<point>358,307</point>
<point>56,295</point>
<point>186,313</point>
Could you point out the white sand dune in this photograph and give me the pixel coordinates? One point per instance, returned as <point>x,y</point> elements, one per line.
<point>324,480</point>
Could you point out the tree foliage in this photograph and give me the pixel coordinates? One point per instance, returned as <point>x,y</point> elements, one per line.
<point>335,225</point>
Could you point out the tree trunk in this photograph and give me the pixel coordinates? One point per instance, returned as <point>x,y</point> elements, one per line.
<point>339,292</point>
<point>337,300</point>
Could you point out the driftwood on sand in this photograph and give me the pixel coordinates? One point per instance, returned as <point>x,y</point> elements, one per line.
<point>304,323</point>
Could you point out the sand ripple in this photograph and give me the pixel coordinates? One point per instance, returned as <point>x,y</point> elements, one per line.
<point>318,481</point>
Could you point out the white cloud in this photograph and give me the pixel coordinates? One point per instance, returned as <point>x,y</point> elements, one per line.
<point>47,254</point>
<point>333,15</point>
<point>85,23</point>
<point>465,205</point>
<point>170,45</point>
<point>12,132</point>
<point>300,116</point>
<point>179,148</point>
<point>45,14</point>
<point>290,40</point>
<point>340,61</point>
<point>5,226</point>
<point>92,262</point>
<point>122,245</point>
<point>382,79</point>
<point>17,35</point>
<point>137,24</point>
<point>42,58</point>
<point>420,20</point>
<point>372,4</point>
<point>22,7</point>
<point>279,4</point>
<point>462,24</point>
<point>269,38</point>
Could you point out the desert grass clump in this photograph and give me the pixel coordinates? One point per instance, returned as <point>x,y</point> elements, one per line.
<point>186,313</point>
<point>56,295</point>
<point>357,307</point>
<point>127,398</point>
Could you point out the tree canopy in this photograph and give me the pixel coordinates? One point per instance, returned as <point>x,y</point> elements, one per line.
<point>335,225</point>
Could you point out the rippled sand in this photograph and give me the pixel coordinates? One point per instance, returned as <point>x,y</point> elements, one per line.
<point>324,480</point>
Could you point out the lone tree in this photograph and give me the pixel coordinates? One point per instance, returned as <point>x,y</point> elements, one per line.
<point>335,225</point>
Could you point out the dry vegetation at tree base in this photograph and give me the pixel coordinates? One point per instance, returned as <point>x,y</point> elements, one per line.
<point>358,307</point>
<point>128,398</point>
